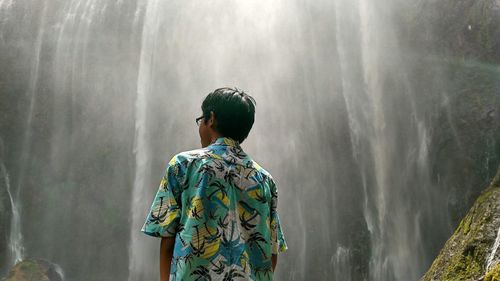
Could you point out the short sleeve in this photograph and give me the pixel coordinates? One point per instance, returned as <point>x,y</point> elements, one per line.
<point>164,216</point>
<point>278,243</point>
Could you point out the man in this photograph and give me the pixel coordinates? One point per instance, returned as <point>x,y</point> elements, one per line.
<point>216,208</point>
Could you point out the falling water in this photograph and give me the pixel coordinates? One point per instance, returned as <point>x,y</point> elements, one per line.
<point>15,237</point>
<point>393,225</point>
<point>99,95</point>
<point>138,264</point>
<point>59,271</point>
<point>57,64</point>
<point>494,249</point>
<point>341,263</point>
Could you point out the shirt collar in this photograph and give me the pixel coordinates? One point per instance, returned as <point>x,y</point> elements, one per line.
<point>226,141</point>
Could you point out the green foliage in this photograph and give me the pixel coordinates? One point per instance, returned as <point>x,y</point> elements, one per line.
<point>465,224</point>
<point>464,267</point>
<point>493,274</point>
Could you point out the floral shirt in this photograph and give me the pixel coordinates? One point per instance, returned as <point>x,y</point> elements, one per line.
<point>221,207</point>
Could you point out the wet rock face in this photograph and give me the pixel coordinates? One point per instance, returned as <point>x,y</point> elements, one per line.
<point>472,252</point>
<point>34,269</point>
<point>459,42</point>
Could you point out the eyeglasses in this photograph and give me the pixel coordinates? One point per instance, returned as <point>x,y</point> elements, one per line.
<point>198,120</point>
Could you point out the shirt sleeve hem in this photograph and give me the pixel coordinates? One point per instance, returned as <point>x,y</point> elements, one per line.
<point>165,234</point>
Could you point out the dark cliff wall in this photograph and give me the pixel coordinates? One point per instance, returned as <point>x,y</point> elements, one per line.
<point>454,49</point>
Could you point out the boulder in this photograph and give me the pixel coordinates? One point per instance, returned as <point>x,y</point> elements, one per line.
<point>35,269</point>
<point>473,251</point>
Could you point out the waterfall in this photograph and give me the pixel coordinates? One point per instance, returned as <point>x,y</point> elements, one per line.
<point>494,249</point>
<point>15,237</point>
<point>365,38</point>
<point>138,264</point>
<point>363,135</point>
<point>341,263</point>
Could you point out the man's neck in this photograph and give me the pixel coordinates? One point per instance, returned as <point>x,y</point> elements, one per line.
<point>214,138</point>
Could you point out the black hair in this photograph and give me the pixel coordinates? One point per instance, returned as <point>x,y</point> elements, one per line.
<point>234,112</point>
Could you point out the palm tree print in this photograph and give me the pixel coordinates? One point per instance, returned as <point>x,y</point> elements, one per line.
<point>260,198</point>
<point>230,177</point>
<point>246,222</point>
<point>222,208</point>
<point>218,187</point>
<point>201,273</point>
<point>159,215</point>
<point>263,272</point>
<point>219,165</point>
<point>254,240</point>
<point>199,249</point>
<point>231,274</point>
<point>222,222</point>
<point>219,269</point>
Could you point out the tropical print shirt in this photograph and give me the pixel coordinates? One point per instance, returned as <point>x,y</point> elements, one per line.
<point>221,207</point>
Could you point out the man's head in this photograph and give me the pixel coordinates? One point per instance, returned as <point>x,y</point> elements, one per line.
<point>227,112</point>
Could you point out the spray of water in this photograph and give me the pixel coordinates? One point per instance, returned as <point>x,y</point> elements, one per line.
<point>111,88</point>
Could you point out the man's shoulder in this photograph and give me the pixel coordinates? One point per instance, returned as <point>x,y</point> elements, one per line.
<point>184,158</point>
<point>187,156</point>
<point>265,173</point>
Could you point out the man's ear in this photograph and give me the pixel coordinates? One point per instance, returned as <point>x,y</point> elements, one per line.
<point>211,120</point>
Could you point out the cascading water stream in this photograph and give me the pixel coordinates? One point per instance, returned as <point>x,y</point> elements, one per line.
<point>137,263</point>
<point>15,237</point>
<point>99,93</point>
<point>493,252</point>
<point>59,271</point>
<point>364,36</point>
<point>341,262</point>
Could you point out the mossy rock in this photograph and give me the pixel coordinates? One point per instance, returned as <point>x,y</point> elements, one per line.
<point>465,254</point>
<point>34,269</point>
<point>493,274</point>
